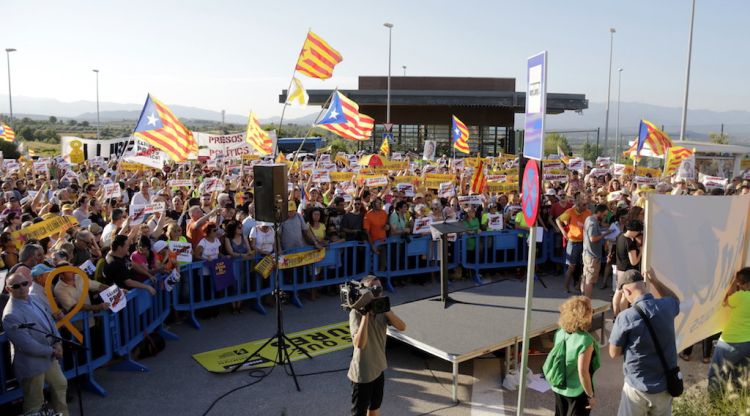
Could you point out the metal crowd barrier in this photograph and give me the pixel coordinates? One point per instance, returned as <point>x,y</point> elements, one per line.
<point>555,249</point>
<point>343,261</point>
<point>142,315</point>
<point>499,249</point>
<point>396,257</point>
<point>196,288</point>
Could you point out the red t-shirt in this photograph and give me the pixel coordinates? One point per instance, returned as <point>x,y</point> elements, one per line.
<point>374,224</point>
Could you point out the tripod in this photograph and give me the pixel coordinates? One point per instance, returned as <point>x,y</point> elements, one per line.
<point>76,348</point>
<point>283,357</point>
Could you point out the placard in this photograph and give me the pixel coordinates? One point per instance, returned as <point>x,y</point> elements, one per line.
<point>495,222</point>
<point>212,184</point>
<point>447,190</point>
<point>321,176</point>
<point>422,225</point>
<point>115,297</point>
<point>176,183</point>
<point>183,252</point>
<point>376,181</point>
<point>407,189</point>
<point>111,190</point>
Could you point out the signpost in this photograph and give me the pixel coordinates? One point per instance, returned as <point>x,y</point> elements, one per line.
<point>536,106</point>
<point>533,148</point>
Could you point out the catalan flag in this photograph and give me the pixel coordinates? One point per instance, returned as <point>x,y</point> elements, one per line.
<point>460,135</point>
<point>565,159</point>
<point>385,147</point>
<point>7,133</point>
<point>297,94</point>
<point>675,156</point>
<point>159,127</point>
<point>256,137</point>
<point>317,58</point>
<point>344,119</point>
<point>479,179</point>
<point>657,140</point>
<point>280,158</point>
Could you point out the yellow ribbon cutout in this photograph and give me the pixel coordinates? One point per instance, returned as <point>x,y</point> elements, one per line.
<point>65,321</point>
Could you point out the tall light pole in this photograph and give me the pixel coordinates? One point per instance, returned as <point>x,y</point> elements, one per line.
<point>617,138</point>
<point>683,122</point>
<point>388,94</point>
<point>10,96</point>
<point>609,87</point>
<point>404,66</point>
<point>97,103</point>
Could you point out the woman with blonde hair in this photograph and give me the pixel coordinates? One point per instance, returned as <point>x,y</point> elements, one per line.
<point>581,358</point>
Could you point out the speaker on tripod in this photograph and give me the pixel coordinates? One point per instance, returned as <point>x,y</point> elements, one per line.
<point>270,186</point>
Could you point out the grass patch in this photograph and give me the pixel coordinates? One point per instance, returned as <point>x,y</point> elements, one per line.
<point>43,149</point>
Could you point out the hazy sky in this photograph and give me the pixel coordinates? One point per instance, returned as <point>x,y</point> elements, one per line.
<point>238,55</point>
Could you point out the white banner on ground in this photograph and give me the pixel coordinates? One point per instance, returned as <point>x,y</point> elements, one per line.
<point>697,259</point>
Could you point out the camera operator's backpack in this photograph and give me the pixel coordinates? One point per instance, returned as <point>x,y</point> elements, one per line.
<point>554,368</point>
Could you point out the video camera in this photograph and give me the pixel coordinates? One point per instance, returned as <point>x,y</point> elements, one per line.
<point>355,295</point>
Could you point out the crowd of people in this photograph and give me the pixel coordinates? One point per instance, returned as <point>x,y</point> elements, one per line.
<point>126,220</point>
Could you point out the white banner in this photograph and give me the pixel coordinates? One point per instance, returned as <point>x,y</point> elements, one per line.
<point>145,154</point>
<point>407,189</point>
<point>686,171</point>
<point>221,145</point>
<point>697,259</point>
<point>112,190</point>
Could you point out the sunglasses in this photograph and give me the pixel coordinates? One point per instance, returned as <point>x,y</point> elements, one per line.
<point>17,286</point>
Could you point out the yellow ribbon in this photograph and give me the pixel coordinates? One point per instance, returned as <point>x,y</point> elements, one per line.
<point>65,321</point>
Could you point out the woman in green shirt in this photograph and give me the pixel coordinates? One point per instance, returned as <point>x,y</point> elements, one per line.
<point>732,351</point>
<point>581,350</point>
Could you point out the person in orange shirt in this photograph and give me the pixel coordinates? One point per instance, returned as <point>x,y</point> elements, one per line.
<point>376,223</point>
<point>570,224</point>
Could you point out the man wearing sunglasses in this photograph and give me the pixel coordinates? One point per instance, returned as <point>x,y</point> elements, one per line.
<point>35,356</point>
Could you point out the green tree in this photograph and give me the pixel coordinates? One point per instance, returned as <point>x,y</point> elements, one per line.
<point>591,151</point>
<point>9,149</point>
<point>85,123</point>
<point>339,145</point>
<point>553,140</point>
<point>718,138</point>
<point>72,122</point>
<point>52,119</point>
<point>27,133</point>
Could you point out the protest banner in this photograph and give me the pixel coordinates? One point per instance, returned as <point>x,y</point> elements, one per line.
<point>406,188</point>
<point>645,180</point>
<point>307,166</point>
<point>576,163</point>
<point>175,183</point>
<point>182,252</point>
<point>144,155</point>
<point>111,190</point>
<point>40,167</point>
<point>129,166</point>
<point>470,199</point>
<point>224,145</point>
<point>447,190</point>
<point>712,182</point>
<point>598,172</point>
<point>341,176</point>
<point>376,181</point>
<point>290,261</point>
<point>552,164</point>
<point>212,184</point>
<point>495,221</point>
<point>603,162</point>
<point>422,225</point>
<point>433,180</point>
<point>497,178</point>
<point>697,259</point>
<point>43,229</point>
<point>320,176</point>
<point>618,169</point>
<point>406,179</point>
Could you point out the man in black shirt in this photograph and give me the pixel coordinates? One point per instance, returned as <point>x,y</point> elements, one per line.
<point>351,223</point>
<point>628,248</point>
<point>118,269</point>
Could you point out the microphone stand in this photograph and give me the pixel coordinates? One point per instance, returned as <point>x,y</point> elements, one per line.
<point>76,347</point>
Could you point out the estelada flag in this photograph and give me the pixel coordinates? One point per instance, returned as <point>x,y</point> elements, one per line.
<point>344,119</point>
<point>317,58</point>
<point>159,127</point>
<point>675,156</point>
<point>460,135</point>
<point>479,179</point>
<point>657,140</point>
<point>385,147</point>
<point>256,137</point>
<point>7,133</point>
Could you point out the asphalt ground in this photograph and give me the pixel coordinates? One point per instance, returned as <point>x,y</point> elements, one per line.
<point>416,383</point>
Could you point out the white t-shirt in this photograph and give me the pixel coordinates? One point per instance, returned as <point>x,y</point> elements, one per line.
<point>210,250</point>
<point>263,241</point>
<point>107,235</point>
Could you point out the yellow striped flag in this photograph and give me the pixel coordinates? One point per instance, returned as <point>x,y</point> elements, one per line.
<point>479,179</point>
<point>344,119</point>
<point>460,135</point>
<point>159,127</point>
<point>7,133</point>
<point>675,156</point>
<point>280,158</point>
<point>562,155</point>
<point>256,137</point>
<point>385,147</point>
<point>317,58</point>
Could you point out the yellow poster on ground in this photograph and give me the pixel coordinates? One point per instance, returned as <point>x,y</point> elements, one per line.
<point>43,229</point>
<point>316,342</point>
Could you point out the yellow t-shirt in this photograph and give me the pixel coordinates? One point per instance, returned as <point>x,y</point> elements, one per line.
<point>737,328</point>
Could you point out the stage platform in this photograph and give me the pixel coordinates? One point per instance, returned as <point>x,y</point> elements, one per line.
<point>482,320</point>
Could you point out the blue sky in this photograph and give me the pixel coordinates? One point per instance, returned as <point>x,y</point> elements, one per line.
<point>238,55</point>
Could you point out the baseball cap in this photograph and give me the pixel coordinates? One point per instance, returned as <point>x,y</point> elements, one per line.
<point>629,276</point>
<point>40,269</point>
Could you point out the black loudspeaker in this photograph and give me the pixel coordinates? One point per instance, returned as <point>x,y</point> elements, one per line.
<point>270,187</point>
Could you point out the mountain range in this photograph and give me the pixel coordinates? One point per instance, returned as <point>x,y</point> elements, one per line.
<point>700,122</point>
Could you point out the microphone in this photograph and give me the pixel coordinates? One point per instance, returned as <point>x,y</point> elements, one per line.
<point>25,325</point>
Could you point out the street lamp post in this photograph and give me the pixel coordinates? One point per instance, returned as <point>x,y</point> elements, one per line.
<point>683,121</point>
<point>404,66</point>
<point>609,87</point>
<point>617,138</point>
<point>10,95</point>
<point>97,103</point>
<point>388,93</point>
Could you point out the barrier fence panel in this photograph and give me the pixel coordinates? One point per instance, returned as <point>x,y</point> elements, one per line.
<point>555,247</point>
<point>142,315</point>
<point>397,257</point>
<point>497,250</point>
<point>343,261</point>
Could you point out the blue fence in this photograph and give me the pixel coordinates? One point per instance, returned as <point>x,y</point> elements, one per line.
<point>497,250</point>
<point>397,257</point>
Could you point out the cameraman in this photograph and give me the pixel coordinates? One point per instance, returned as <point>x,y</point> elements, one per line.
<point>366,370</point>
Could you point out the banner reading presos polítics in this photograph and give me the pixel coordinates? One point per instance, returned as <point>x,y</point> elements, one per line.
<point>221,145</point>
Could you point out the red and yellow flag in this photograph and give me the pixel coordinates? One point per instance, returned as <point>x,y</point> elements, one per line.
<point>479,179</point>
<point>385,147</point>
<point>675,156</point>
<point>7,133</point>
<point>160,128</point>
<point>256,137</point>
<point>317,58</point>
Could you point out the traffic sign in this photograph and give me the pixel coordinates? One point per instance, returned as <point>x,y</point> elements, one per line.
<point>530,192</point>
<point>388,127</point>
<point>536,106</point>
<point>388,136</point>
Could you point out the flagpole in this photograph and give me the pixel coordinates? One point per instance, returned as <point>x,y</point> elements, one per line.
<point>291,80</point>
<point>309,131</point>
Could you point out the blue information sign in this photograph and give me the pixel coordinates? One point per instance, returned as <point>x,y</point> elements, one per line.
<point>388,136</point>
<point>536,106</point>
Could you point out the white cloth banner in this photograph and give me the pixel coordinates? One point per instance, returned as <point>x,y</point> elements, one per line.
<point>697,259</point>
<point>221,145</point>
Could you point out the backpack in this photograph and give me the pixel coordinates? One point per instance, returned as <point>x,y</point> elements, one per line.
<point>554,368</point>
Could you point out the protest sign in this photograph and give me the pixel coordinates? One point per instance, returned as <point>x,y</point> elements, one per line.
<point>406,188</point>
<point>115,297</point>
<point>43,229</point>
<point>470,199</point>
<point>183,252</point>
<point>712,182</point>
<point>212,184</point>
<point>290,261</point>
<point>320,176</point>
<point>495,222</point>
<point>422,225</point>
<point>447,190</point>
<point>175,183</point>
<point>645,180</point>
<point>111,190</point>
<point>376,181</point>
<point>41,167</point>
<point>226,145</point>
